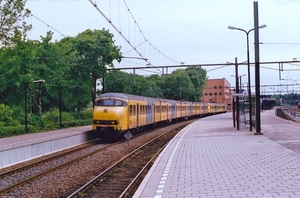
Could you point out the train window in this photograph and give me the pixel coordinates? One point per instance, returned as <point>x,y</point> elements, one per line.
<point>130,109</point>
<point>109,102</point>
<point>133,110</point>
<point>120,103</point>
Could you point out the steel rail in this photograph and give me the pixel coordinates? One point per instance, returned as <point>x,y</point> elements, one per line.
<point>101,177</point>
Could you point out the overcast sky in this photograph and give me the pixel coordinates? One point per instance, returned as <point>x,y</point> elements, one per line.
<point>189,31</point>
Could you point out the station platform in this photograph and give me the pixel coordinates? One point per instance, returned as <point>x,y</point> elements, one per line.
<point>20,148</point>
<point>211,158</point>
<point>34,138</point>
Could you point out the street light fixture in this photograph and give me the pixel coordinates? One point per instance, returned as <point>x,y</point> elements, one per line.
<point>38,81</point>
<point>248,60</point>
<point>141,58</point>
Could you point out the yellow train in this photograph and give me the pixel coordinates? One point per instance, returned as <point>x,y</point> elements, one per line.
<point>117,113</point>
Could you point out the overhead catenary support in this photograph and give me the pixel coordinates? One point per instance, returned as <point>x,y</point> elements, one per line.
<point>248,63</point>
<point>257,70</point>
<point>237,100</point>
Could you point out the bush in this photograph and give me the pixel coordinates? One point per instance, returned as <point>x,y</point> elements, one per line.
<point>36,121</point>
<point>83,115</point>
<point>6,116</point>
<point>12,121</point>
<point>50,119</point>
<point>11,131</point>
<point>18,114</point>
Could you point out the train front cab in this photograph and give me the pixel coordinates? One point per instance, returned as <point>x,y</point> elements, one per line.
<point>110,117</point>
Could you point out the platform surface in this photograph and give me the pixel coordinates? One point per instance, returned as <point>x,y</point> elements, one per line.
<point>210,158</point>
<point>33,138</point>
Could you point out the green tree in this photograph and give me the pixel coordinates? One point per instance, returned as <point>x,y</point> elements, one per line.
<point>16,70</point>
<point>198,78</point>
<point>12,17</point>
<point>95,50</point>
<point>140,85</point>
<point>154,89</point>
<point>178,86</point>
<point>54,64</point>
<point>118,82</point>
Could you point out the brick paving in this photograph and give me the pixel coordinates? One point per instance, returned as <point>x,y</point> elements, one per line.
<point>210,158</point>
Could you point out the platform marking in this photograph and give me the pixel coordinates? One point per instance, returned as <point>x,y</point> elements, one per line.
<point>160,187</point>
<point>38,139</point>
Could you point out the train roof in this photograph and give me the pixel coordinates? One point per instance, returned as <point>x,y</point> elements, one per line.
<point>127,97</point>
<point>144,98</point>
<point>135,97</point>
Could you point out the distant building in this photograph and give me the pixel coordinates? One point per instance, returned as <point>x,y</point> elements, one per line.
<point>218,91</point>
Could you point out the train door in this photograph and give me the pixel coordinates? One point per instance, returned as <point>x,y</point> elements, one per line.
<point>137,114</point>
<point>154,113</point>
<point>167,109</point>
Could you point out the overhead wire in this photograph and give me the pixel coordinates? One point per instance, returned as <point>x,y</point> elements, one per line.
<point>112,24</point>
<point>49,26</point>
<point>133,46</point>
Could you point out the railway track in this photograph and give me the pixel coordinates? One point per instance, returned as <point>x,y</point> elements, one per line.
<point>60,175</point>
<point>24,173</point>
<point>123,178</point>
<point>291,113</point>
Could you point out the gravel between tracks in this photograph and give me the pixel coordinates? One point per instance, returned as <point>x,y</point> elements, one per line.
<point>65,181</point>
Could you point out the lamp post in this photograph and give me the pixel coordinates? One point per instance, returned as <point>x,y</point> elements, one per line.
<point>240,80</point>
<point>59,106</point>
<point>248,60</point>
<point>237,101</point>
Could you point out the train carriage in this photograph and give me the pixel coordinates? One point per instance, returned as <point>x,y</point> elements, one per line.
<point>183,109</point>
<point>157,110</point>
<point>196,108</point>
<point>163,108</point>
<point>116,113</point>
<point>189,109</point>
<point>204,108</point>
<point>171,110</point>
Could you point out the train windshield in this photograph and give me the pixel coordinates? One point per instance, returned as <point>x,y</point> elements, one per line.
<point>110,103</point>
